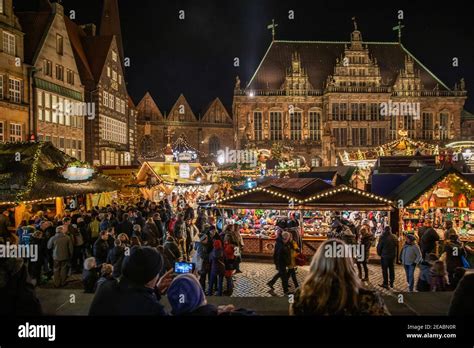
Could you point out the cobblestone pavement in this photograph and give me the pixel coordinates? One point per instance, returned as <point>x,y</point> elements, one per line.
<point>252,281</point>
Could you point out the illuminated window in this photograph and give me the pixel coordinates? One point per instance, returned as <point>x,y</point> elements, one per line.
<point>276,132</point>
<point>15,132</point>
<point>15,90</point>
<point>257,126</point>
<point>9,44</point>
<point>315,125</point>
<point>295,126</point>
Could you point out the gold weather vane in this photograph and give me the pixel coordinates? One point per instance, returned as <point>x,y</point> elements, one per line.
<point>399,27</point>
<point>273,27</point>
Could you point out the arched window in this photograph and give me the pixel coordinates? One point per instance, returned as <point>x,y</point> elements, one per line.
<point>214,145</point>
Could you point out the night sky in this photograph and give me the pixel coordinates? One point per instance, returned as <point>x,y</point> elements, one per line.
<point>195,56</point>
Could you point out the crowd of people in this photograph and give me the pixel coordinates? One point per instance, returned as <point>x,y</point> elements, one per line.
<point>127,257</point>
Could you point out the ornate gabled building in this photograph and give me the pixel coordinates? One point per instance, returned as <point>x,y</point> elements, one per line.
<point>322,97</point>
<point>15,114</point>
<point>208,134</point>
<point>57,98</point>
<point>110,133</point>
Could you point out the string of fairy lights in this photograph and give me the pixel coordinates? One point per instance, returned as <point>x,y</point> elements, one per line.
<point>330,192</point>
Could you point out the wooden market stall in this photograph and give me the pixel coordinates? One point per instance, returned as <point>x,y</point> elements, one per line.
<point>313,199</point>
<point>40,174</point>
<point>439,195</point>
<point>155,179</point>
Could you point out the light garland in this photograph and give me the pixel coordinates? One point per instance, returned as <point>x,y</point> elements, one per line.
<point>34,172</point>
<point>331,192</point>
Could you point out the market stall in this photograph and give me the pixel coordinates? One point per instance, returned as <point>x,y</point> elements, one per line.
<point>439,195</point>
<point>307,203</point>
<point>38,174</point>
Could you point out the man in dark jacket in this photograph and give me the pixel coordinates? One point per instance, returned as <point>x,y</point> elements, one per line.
<point>4,223</point>
<point>281,258</point>
<point>179,234</point>
<point>160,228</point>
<point>387,250</point>
<point>125,226</point>
<point>462,303</point>
<point>63,249</point>
<point>140,289</point>
<point>428,239</point>
<point>17,294</point>
<point>101,248</point>
<point>188,212</point>
<point>115,258</point>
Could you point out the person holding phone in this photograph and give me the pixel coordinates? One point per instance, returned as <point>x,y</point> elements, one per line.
<point>140,288</point>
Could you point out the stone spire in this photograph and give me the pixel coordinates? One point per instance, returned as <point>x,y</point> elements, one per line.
<point>110,24</point>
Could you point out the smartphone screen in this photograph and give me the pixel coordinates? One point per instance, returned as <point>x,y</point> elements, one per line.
<point>183,267</point>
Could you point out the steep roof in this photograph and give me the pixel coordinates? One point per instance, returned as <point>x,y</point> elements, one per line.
<point>420,182</point>
<point>76,34</point>
<point>148,110</point>
<point>318,58</point>
<point>110,24</point>
<point>97,49</point>
<point>216,107</point>
<point>34,25</point>
<point>181,107</point>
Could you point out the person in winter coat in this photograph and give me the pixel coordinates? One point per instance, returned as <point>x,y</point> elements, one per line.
<point>188,212</point>
<point>101,248</point>
<point>179,234</point>
<point>455,251</point>
<point>17,294</point>
<point>191,235</point>
<point>229,259</point>
<point>365,242</point>
<point>217,263</point>
<point>139,220</point>
<point>410,256</point>
<point>4,224</point>
<point>171,252</point>
<point>239,246</point>
<point>90,275</point>
<point>136,235</point>
<point>139,291</point>
<point>294,251</point>
<point>78,253</point>
<point>424,280</point>
<point>387,250</point>
<point>203,249</point>
<point>125,226</point>
<point>281,258</point>
<point>332,287</point>
<point>34,266</point>
<point>462,302</point>
<point>63,249</point>
<point>115,258</point>
<point>94,230</point>
<point>150,233</point>
<point>106,276</point>
<point>159,225</point>
<point>438,277</point>
<point>428,239</point>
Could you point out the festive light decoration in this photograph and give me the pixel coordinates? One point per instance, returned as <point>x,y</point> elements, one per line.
<point>327,193</point>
